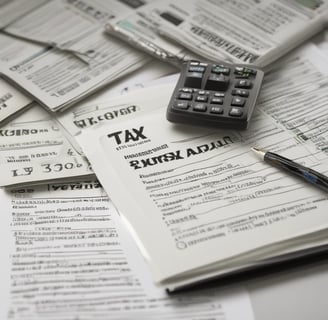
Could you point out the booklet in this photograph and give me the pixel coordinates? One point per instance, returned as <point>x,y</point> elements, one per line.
<point>199,203</point>
<point>256,32</point>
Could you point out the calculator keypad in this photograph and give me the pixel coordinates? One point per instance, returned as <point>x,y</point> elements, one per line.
<point>219,95</point>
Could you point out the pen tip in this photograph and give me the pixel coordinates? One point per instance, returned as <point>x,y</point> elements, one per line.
<point>259,151</point>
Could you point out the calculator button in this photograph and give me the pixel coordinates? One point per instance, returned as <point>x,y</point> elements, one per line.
<point>200,107</point>
<point>219,94</point>
<point>239,70</point>
<point>243,84</point>
<point>236,101</point>
<point>217,82</point>
<point>221,70</point>
<point>216,110</point>
<point>193,79</point>
<point>244,71</point>
<point>240,92</point>
<point>217,100</point>
<point>250,71</point>
<point>185,96</point>
<point>194,63</point>
<point>202,92</point>
<point>196,69</point>
<point>201,98</point>
<point>236,112</point>
<point>242,76</point>
<point>181,105</point>
<point>187,90</point>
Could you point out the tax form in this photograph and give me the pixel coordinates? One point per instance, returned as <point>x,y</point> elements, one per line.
<point>66,255</point>
<point>101,107</point>
<point>34,148</point>
<point>38,148</point>
<point>59,53</point>
<point>196,189</point>
<point>111,110</point>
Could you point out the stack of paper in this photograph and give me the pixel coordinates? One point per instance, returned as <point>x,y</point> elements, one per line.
<point>38,148</point>
<point>195,202</point>
<point>68,256</point>
<point>200,203</point>
<point>35,149</point>
<point>245,32</point>
<point>59,53</point>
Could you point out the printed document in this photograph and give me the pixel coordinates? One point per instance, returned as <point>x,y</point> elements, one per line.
<point>34,148</point>
<point>116,109</point>
<point>13,9</point>
<point>256,32</point>
<point>200,203</point>
<point>65,255</point>
<point>101,107</point>
<point>11,101</point>
<point>60,54</point>
<point>140,29</point>
<point>46,149</point>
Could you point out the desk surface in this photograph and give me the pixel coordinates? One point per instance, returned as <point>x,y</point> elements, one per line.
<point>300,294</point>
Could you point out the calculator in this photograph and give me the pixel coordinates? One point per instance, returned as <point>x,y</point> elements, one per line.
<point>220,95</point>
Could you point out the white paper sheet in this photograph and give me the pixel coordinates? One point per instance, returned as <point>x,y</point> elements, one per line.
<point>35,149</point>
<point>153,74</point>
<point>11,100</point>
<point>66,256</point>
<point>59,53</point>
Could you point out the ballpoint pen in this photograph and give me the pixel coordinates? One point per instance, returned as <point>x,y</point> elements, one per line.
<point>312,176</point>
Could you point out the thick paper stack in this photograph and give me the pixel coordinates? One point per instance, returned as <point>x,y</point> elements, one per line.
<point>200,204</point>
<point>79,103</point>
<point>237,31</point>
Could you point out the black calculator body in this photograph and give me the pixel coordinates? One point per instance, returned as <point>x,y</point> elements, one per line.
<point>219,95</point>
